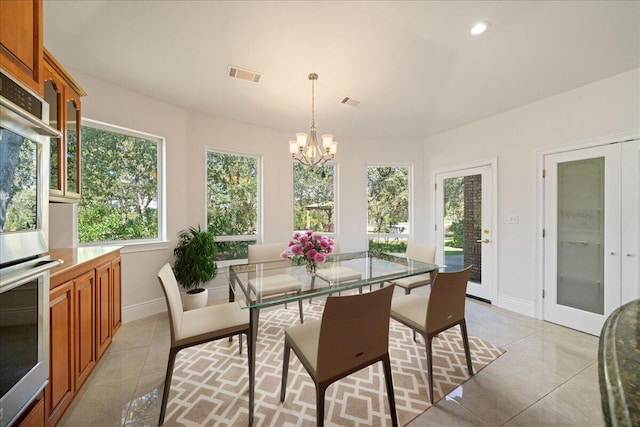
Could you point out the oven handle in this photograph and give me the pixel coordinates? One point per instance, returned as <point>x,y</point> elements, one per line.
<point>39,124</point>
<point>8,283</point>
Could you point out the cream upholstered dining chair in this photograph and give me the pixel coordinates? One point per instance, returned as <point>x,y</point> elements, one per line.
<point>197,326</point>
<point>276,284</point>
<point>418,252</point>
<point>431,314</point>
<point>352,334</point>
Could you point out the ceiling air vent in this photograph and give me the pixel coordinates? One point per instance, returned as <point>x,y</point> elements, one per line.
<point>351,101</point>
<point>240,73</point>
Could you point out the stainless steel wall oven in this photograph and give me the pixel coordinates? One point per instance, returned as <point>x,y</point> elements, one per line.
<point>24,266</point>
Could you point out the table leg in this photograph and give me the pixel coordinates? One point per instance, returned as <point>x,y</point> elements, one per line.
<point>253,320</point>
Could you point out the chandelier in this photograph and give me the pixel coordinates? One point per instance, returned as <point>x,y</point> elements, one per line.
<point>308,152</point>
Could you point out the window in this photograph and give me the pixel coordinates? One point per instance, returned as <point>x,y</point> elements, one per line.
<point>122,186</point>
<point>388,208</point>
<point>233,202</point>
<point>314,198</point>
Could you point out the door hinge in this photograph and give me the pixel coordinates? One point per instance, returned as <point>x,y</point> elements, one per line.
<point>543,293</point>
<point>435,227</point>
<point>544,173</point>
<point>544,232</point>
<point>435,186</point>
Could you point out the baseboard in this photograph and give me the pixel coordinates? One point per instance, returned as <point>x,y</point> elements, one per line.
<point>159,305</point>
<point>143,309</point>
<point>518,305</point>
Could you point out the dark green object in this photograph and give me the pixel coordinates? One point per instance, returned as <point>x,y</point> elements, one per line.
<point>195,257</point>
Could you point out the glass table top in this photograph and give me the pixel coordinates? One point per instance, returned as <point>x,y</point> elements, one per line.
<point>275,282</point>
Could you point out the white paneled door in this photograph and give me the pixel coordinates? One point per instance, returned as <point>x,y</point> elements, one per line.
<point>591,234</point>
<point>464,225</point>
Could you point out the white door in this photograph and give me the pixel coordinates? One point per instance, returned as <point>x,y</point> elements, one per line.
<point>585,219</point>
<point>464,225</point>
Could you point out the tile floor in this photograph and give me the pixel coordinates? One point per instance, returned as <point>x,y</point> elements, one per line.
<point>547,377</point>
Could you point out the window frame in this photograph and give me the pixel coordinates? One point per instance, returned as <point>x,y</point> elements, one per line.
<point>410,203</point>
<point>138,245</point>
<point>257,237</point>
<point>336,215</point>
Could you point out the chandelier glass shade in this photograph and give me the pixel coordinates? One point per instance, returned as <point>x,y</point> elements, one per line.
<point>306,149</point>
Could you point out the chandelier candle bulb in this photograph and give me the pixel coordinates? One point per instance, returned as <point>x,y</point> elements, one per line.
<point>302,139</point>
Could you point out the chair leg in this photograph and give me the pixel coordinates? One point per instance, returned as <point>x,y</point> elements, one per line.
<point>285,370</point>
<point>239,343</point>
<point>427,342</point>
<point>465,341</point>
<point>407,291</point>
<point>391,396</point>
<point>320,390</point>
<point>167,384</point>
<point>301,312</point>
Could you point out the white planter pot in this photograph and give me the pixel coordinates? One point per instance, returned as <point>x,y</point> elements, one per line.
<point>195,298</point>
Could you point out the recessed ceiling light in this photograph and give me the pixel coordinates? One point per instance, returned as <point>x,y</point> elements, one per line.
<point>480,27</point>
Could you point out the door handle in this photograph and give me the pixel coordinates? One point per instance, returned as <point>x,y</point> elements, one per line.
<point>483,241</point>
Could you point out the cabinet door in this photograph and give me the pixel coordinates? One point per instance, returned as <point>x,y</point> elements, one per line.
<point>72,145</point>
<point>36,416</point>
<point>116,295</point>
<point>21,41</point>
<point>61,379</point>
<point>85,351</point>
<point>103,308</point>
<point>54,95</point>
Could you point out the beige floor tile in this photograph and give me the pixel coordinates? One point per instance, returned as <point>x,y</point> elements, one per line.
<point>588,378</point>
<point>447,413</point>
<point>504,388</point>
<point>146,399</point>
<point>156,360</point>
<point>100,405</point>
<point>118,366</point>
<point>569,405</point>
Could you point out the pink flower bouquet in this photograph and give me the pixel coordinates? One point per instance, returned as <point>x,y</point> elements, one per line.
<point>308,247</point>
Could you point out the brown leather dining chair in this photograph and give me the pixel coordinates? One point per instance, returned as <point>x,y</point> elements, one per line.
<point>418,252</point>
<point>431,314</point>
<point>197,326</point>
<point>352,334</point>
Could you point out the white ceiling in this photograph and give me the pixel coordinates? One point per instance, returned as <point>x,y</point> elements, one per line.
<point>414,64</point>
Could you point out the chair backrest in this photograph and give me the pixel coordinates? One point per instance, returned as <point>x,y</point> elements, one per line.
<point>354,331</point>
<point>174,301</point>
<point>268,252</point>
<point>421,252</point>
<point>447,299</point>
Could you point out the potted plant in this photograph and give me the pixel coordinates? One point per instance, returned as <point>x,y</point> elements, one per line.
<point>195,264</point>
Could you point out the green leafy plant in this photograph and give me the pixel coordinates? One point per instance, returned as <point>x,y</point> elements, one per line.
<point>195,258</point>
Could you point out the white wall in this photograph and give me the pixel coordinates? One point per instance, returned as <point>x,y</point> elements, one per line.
<point>605,108</point>
<point>188,134</point>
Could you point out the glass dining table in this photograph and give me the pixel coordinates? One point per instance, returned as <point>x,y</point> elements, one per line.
<point>265,284</point>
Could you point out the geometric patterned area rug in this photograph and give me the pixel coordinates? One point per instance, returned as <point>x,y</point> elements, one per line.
<point>210,381</point>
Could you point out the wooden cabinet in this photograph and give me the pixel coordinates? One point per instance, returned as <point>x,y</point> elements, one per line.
<point>85,326</point>
<point>116,295</point>
<point>103,324</point>
<point>21,50</point>
<point>34,416</point>
<point>84,314</point>
<point>63,95</point>
<point>61,372</point>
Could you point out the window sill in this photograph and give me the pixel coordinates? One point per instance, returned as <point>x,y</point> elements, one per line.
<point>132,247</point>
